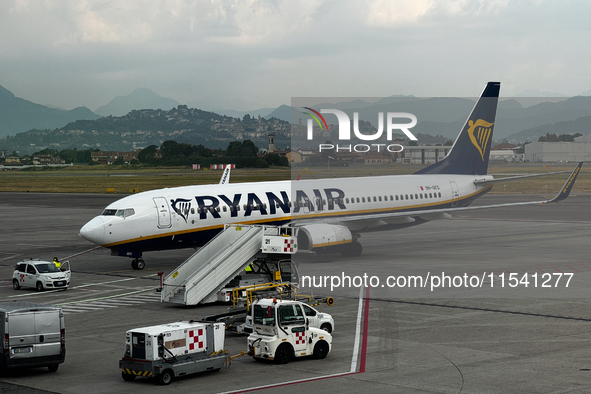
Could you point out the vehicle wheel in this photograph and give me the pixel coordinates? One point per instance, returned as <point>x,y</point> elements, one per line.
<point>15,284</point>
<point>356,249</point>
<point>39,286</point>
<point>283,354</point>
<point>134,264</point>
<point>320,350</point>
<point>326,327</point>
<point>127,376</point>
<point>165,377</point>
<point>140,264</point>
<point>53,367</point>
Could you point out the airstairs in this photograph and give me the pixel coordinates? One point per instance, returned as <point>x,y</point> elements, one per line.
<point>204,274</point>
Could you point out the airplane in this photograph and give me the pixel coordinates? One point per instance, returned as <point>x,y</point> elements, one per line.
<point>330,214</point>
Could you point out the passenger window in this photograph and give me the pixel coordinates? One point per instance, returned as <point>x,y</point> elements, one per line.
<point>347,200</point>
<point>362,199</point>
<point>411,196</point>
<point>416,196</point>
<point>31,270</point>
<point>380,198</point>
<point>397,197</point>
<point>224,208</point>
<point>358,199</point>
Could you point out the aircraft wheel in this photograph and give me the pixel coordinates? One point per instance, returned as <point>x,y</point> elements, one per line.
<point>356,249</point>
<point>140,264</point>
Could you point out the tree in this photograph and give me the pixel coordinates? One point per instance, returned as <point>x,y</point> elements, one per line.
<point>148,155</point>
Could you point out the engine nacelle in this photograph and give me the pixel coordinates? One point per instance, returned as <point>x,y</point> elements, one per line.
<point>324,236</point>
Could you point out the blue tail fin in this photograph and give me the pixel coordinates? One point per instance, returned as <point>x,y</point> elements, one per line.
<point>469,153</point>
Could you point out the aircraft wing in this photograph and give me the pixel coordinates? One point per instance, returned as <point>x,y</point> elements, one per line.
<point>485,182</point>
<point>440,213</point>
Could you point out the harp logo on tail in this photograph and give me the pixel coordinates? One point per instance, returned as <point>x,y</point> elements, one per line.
<point>480,132</point>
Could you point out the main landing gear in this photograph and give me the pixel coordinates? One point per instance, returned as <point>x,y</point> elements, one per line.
<point>354,249</point>
<point>138,264</point>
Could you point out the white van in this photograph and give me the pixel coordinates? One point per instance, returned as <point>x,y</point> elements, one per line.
<point>33,335</point>
<point>41,275</point>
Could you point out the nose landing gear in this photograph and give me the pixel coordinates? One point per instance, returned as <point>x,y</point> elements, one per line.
<point>138,264</point>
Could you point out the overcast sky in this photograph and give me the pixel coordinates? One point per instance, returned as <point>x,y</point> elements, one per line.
<point>73,53</point>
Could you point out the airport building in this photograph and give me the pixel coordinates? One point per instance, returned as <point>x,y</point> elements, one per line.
<point>579,150</point>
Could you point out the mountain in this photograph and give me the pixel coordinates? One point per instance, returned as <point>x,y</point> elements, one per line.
<point>579,125</point>
<point>537,93</point>
<point>20,115</point>
<point>142,98</point>
<point>219,105</point>
<point>283,112</point>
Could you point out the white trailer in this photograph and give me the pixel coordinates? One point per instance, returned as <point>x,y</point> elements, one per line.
<point>171,350</point>
<point>281,331</point>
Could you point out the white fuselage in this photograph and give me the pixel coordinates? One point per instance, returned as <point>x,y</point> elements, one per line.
<point>189,216</point>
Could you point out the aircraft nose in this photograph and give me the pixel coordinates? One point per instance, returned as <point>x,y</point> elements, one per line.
<point>94,231</point>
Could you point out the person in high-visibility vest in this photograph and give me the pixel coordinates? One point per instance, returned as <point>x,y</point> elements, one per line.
<point>57,263</point>
<point>249,269</point>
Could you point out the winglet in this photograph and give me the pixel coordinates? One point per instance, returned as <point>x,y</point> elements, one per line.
<point>225,179</point>
<point>568,186</point>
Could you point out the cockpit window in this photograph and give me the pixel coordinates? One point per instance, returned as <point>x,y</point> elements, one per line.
<point>122,213</point>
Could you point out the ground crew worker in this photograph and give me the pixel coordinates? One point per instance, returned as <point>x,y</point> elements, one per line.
<point>249,268</point>
<point>57,263</point>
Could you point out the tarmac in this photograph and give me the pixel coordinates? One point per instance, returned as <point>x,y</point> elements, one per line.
<point>510,314</point>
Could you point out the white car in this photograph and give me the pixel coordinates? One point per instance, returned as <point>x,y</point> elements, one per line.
<point>41,275</point>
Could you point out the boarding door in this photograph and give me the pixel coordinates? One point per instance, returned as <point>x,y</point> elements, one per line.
<point>455,192</point>
<point>163,212</point>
